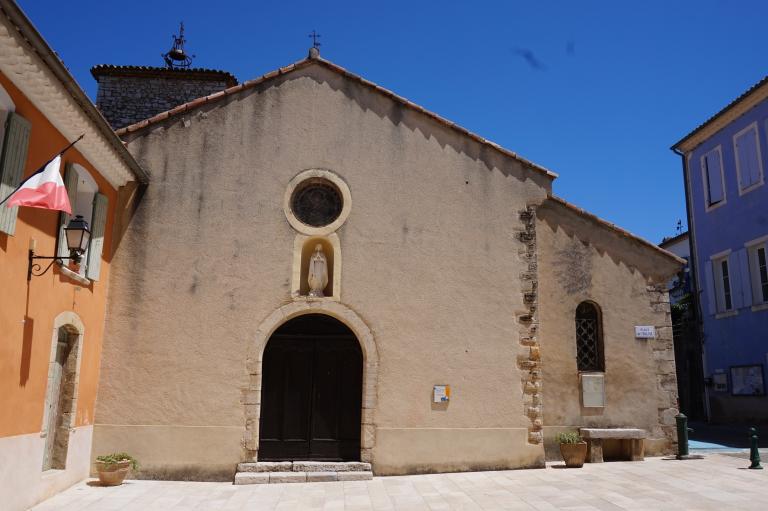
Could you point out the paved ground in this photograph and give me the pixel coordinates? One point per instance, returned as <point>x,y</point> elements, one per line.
<point>714,483</point>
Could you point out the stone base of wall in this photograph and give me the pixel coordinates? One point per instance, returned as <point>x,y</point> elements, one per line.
<point>430,450</point>
<point>725,408</point>
<point>22,480</point>
<point>177,453</point>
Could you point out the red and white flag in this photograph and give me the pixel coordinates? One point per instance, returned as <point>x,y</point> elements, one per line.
<point>43,189</point>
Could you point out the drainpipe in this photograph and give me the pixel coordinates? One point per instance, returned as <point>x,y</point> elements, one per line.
<point>693,270</point>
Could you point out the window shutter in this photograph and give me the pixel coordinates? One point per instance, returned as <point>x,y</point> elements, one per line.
<point>14,158</point>
<point>746,153</point>
<point>714,177</point>
<point>70,183</point>
<point>756,171</point>
<point>754,164</point>
<point>746,281</point>
<point>98,223</point>
<point>742,161</point>
<point>734,272</point>
<point>709,288</point>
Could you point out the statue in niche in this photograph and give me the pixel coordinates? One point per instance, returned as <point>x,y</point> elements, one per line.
<point>318,272</point>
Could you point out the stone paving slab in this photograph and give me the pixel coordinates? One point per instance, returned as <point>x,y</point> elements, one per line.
<point>714,483</point>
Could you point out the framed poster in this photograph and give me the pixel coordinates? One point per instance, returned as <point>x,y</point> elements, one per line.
<point>747,380</point>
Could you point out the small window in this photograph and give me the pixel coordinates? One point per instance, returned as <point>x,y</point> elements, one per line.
<point>589,338</point>
<point>758,270</point>
<point>317,202</point>
<point>749,168</point>
<point>723,284</point>
<point>711,164</point>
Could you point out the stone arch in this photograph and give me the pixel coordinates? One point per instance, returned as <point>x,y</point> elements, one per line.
<point>252,394</point>
<point>69,325</point>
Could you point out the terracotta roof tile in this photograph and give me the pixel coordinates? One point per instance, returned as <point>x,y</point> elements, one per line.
<point>193,72</point>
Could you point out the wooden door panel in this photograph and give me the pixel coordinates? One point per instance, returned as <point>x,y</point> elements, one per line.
<point>297,394</point>
<point>325,406</point>
<point>311,394</point>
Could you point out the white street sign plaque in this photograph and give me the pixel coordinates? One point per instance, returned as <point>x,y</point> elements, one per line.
<point>645,332</point>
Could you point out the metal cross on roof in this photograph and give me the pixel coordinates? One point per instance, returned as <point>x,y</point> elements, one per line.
<point>315,36</point>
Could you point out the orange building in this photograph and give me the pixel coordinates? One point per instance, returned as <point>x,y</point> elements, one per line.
<point>51,325</point>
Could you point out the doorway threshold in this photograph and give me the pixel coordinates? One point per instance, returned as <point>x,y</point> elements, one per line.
<point>266,472</point>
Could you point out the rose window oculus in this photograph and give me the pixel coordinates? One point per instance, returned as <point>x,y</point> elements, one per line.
<point>317,202</point>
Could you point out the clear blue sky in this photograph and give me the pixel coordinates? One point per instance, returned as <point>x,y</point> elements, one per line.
<point>613,84</point>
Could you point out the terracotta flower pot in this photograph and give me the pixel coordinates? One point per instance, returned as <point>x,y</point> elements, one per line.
<point>574,454</point>
<point>112,474</point>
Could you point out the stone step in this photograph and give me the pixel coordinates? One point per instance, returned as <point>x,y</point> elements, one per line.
<point>304,466</point>
<point>300,477</point>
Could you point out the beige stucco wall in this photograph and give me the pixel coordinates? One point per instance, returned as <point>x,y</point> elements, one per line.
<point>640,386</point>
<point>431,266</point>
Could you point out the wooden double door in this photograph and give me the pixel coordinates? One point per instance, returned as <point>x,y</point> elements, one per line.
<point>311,394</point>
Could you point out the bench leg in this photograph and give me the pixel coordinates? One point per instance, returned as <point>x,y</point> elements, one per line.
<point>638,450</point>
<point>595,450</point>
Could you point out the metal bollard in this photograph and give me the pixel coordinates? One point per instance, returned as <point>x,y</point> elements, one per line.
<point>682,435</point>
<point>754,453</point>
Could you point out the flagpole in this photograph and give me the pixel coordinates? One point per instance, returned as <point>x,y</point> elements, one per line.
<point>67,148</point>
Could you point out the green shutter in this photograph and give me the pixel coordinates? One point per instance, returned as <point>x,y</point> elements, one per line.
<point>70,183</point>
<point>98,222</point>
<point>14,158</point>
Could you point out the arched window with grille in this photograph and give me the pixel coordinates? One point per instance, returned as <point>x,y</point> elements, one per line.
<point>589,338</point>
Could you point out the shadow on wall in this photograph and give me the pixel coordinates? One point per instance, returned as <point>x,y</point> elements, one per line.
<point>26,350</point>
<point>384,104</point>
<point>128,201</point>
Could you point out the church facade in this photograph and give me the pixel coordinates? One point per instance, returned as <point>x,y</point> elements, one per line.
<point>320,269</point>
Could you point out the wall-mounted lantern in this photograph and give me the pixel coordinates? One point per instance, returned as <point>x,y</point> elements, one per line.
<point>77,234</point>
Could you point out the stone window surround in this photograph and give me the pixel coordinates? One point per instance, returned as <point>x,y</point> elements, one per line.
<point>346,198</point>
<point>72,320</point>
<point>252,393</point>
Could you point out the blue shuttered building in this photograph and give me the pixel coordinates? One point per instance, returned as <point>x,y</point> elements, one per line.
<point>725,162</point>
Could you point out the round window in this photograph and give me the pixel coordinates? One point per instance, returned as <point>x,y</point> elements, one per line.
<point>317,202</point>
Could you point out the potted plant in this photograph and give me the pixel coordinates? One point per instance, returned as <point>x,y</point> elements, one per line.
<point>113,468</point>
<point>572,448</point>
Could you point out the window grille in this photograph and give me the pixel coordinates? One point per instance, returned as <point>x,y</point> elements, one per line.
<point>588,338</point>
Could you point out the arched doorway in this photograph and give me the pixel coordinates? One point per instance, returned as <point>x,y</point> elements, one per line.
<point>311,397</point>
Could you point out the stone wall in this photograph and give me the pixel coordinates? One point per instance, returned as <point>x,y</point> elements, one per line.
<point>640,384</point>
<point>431,267</point>
<point>529,362</point>
<point>130,97</point>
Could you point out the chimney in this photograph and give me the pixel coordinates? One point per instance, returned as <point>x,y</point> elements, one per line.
<point>129,94</point>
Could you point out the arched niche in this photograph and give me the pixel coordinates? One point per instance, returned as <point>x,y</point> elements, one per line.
<point>303,247</point>
<point>60,409</point>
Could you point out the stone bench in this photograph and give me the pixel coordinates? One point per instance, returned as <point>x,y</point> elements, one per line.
<point>595,436</point>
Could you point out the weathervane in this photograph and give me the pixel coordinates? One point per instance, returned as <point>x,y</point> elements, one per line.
<point>315,43</point>
<point>176,58</point>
